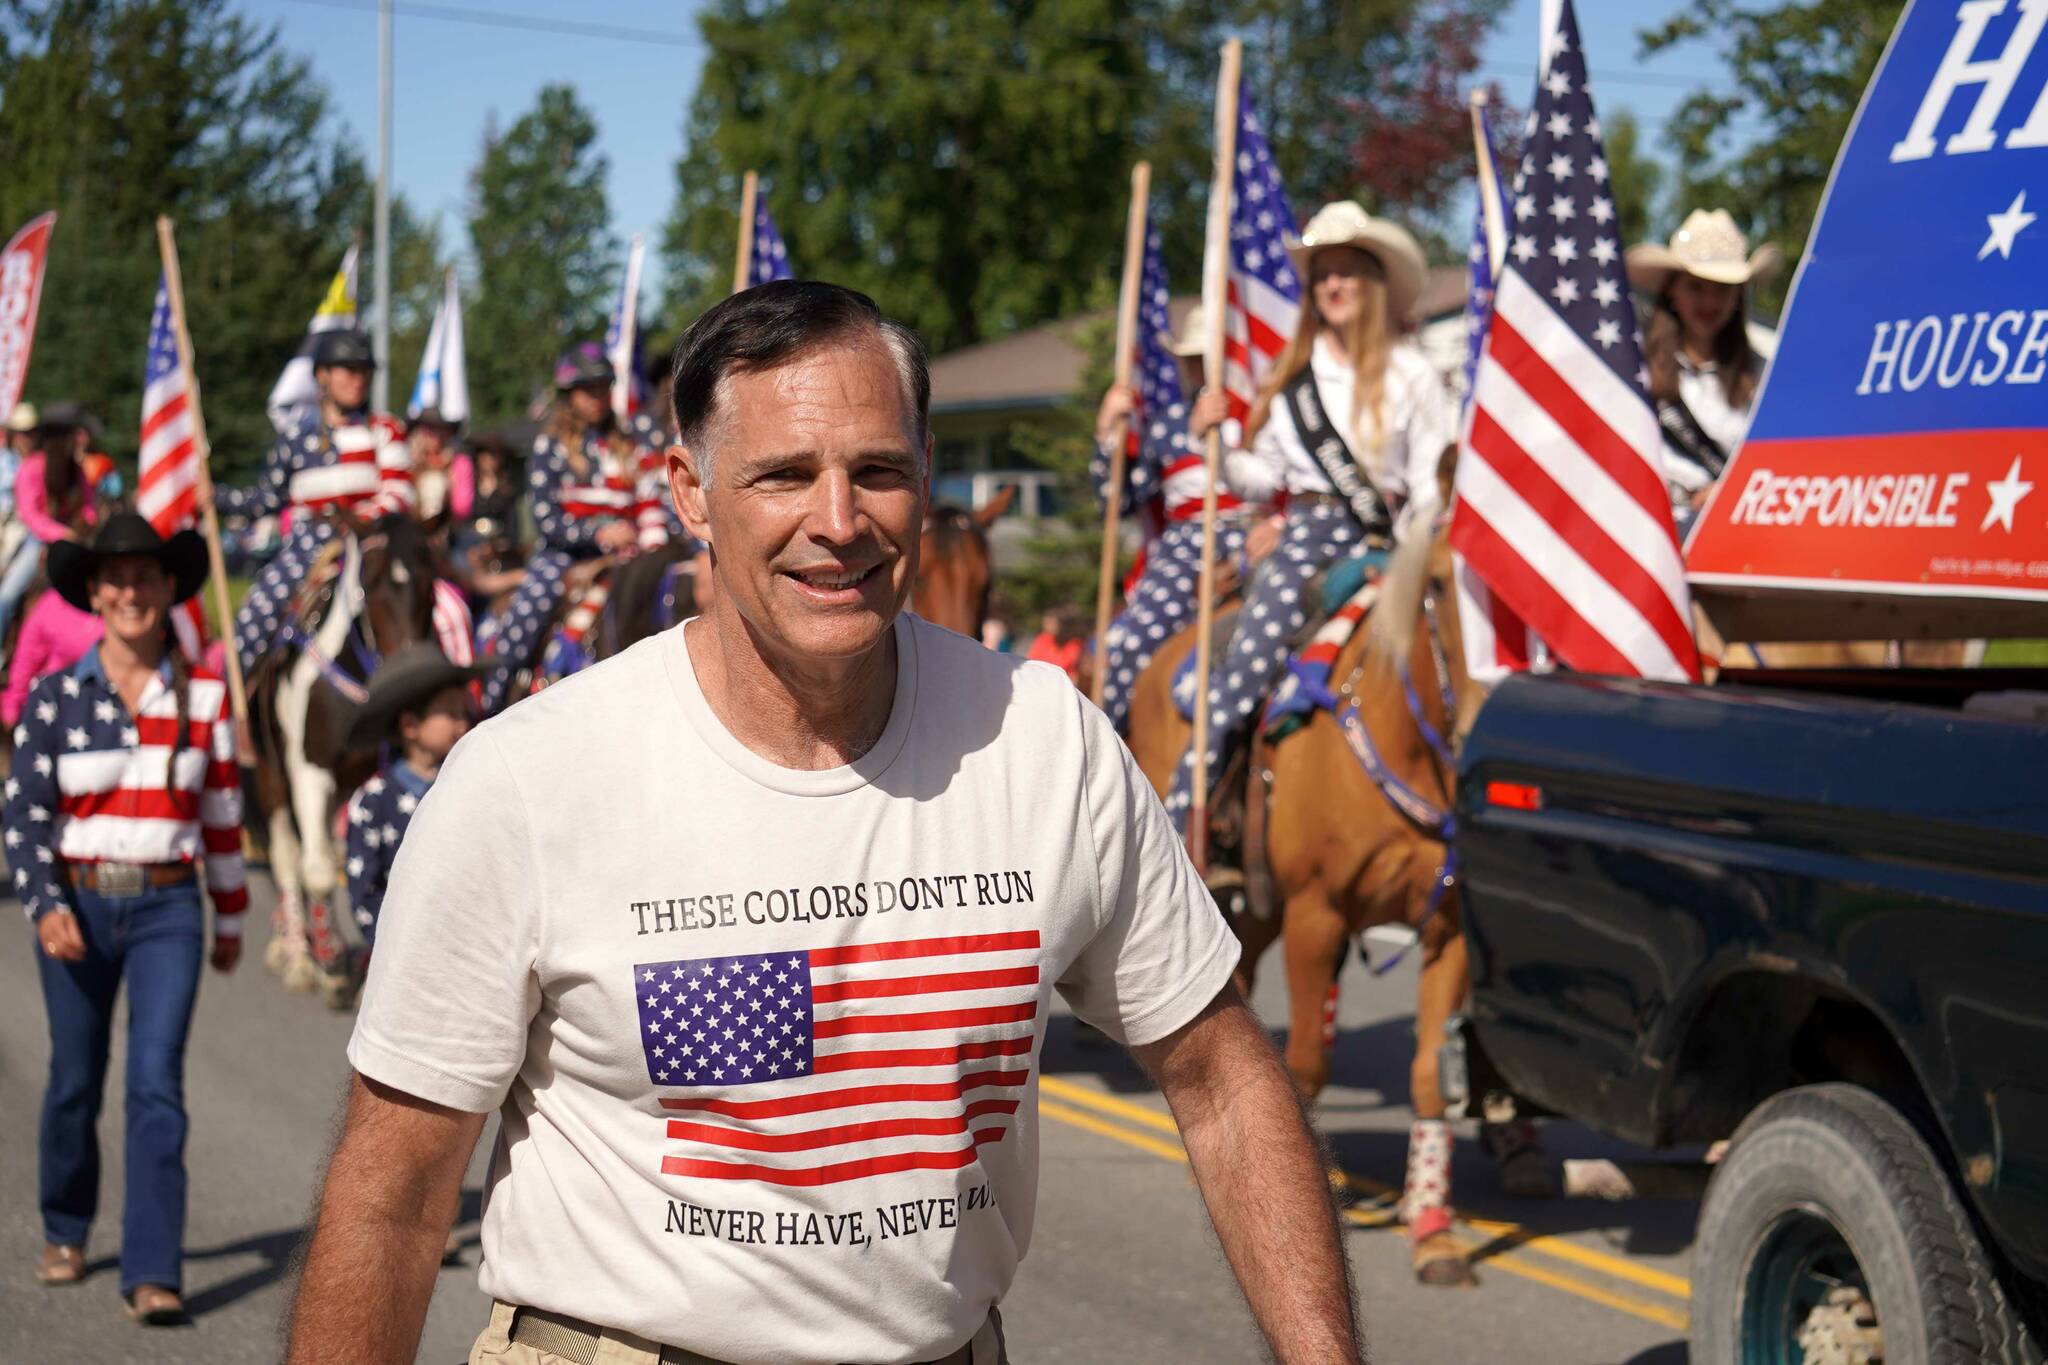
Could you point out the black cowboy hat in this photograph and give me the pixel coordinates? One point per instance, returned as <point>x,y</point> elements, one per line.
<point>584,365</point>
<point>72,565</point>
<point>71,417</point>
<point>404,682</point>
<point>432,417</point>
<point>347,348</point>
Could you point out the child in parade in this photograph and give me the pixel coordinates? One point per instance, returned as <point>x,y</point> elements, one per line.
<point>54,635</point>
<point>125,790</point>
<point>1349,405</point>
<point>53,498</point>
<point>336,457</point>
<point>419,704</point>
<point>1704,367</point>
<point>597,489</point>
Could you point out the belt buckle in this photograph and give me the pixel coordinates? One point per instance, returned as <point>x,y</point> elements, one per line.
<point>119,879</point>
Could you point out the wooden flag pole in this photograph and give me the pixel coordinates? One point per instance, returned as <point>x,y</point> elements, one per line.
<point>742,266</point>
<point>1215,291</point>
<point>209,520</point>
<point>1126,345</point>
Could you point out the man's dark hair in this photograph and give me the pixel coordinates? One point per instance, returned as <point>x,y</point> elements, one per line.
<point>771,323</point>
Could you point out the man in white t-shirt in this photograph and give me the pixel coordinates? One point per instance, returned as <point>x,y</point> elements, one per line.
<point>750,935</point>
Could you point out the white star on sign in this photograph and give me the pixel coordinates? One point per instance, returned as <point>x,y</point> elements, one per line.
<point>2006,495</point>
<point>2005,227</point>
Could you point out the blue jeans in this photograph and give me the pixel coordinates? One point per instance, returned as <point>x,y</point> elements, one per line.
<point>155,940</point>
<point>17,579</point>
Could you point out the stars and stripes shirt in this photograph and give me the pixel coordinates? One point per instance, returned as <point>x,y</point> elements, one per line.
<point>1170,465</point>
<point>363,465</point>
<point>377,817</point>
<point>569,509</point>
<point>94,782</point>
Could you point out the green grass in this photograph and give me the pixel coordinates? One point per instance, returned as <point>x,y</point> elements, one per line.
<point>2015,653</point>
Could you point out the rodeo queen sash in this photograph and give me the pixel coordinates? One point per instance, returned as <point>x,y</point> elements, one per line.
<point>1333,456</point>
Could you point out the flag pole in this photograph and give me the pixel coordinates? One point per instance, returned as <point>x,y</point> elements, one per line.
<point>1126,344</point>
<point>1215,290</point>
<point>209,520</point>
<point>750,186</point>
<point>1489,187</point>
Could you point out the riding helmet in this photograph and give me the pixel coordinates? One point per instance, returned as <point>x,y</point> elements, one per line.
<point>585,364</point>
<point>347,348</point>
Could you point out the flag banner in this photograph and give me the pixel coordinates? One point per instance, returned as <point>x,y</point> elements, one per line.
<point>622,338</point>
<point>812,1068</point>
<point>1263,294</point>
<point>1489,247</point>
<point>167,460</point>
<point>771,258</point>
<point>21,291</point>
<point>1899,448</point>
<point>1155,373</point>
<point>443,382</point>
<point>1561,508</point>
<point>295,388</point>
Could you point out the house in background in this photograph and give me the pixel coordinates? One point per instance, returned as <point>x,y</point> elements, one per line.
<point>981,394</point>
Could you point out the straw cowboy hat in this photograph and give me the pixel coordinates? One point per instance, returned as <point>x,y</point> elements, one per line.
<point>72,565</point>
<point>1346,224</point>
<point>406,681</point>
<point>1193,340</point>
<point>1707,245</point>
<point>23,419</point>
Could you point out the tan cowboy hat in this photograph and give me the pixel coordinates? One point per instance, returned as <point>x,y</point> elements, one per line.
<point>23,418</point>
<point>1707,245</point>
<point>1346,224</point>
<point>1193,340</point>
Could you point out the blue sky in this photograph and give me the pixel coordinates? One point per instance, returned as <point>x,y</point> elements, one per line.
<point>459,63</point>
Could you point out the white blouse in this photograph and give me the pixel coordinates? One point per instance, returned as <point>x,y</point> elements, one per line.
<point>1417,422</point>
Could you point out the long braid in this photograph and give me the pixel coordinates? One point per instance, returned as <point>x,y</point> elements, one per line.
<point>181,684</point>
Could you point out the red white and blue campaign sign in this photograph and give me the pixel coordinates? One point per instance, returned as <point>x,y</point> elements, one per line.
<point>1901,442</point>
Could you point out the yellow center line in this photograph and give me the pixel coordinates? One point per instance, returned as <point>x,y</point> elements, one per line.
<point>1557,1248</point>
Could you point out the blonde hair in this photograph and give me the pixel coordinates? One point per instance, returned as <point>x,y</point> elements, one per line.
<point>565,427</point>
<point>1369,340</point>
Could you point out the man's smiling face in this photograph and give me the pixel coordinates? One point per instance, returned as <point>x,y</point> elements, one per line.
<point>816,498</point>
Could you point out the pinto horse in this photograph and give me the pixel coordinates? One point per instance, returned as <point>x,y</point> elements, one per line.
<point>954,568</point>
<point>378,598</point>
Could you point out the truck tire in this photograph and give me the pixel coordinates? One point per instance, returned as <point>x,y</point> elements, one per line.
<point>1830,1233</point>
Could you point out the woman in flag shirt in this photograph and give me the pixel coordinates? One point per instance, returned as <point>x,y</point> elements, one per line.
<point>597,489</point>
<point>339,457</point>
<point>124,785</point>
<point>1392,419</point>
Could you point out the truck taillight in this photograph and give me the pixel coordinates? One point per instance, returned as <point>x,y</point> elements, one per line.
<point>1514,795</point>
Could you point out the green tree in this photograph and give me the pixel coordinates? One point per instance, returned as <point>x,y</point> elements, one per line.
<point>967,165</point>
<point>1800,67</point>
<point>545,257</point>
<point>114,111</point>
<point>1635,179</point>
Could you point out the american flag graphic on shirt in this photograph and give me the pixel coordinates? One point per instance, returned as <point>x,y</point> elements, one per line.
<point>812,1067</point>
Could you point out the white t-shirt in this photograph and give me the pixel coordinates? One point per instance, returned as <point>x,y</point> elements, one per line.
<point>843,1166</point>
<point>1417,420</point>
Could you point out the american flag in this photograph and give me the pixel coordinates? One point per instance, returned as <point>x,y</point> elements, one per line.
<point>832,1064</point>
<point>771,258</point>
<point>1561,505</point>
<point>622,340</point>
<point>1263,296</point>
<point>1154,369</point>
<point>1480,276</point>
<point>167,467</point>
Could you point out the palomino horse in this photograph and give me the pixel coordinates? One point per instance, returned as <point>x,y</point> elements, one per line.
<point>1342,856</point>
<point>379,599</point>
<point>954,568</point>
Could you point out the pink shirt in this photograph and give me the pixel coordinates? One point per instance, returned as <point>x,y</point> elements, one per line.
<point>54,636</point>
<point>32,505</point>
<point>461,486</point>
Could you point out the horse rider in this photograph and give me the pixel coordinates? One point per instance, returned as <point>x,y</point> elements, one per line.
<point>333,458</point>
<point>595,486</point>
<point>1171,472</point>
<point>1350,423</point>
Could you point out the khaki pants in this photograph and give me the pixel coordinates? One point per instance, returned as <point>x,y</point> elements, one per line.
<point>496,1347</point>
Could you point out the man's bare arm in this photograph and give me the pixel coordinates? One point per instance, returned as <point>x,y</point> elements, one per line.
<point>1262,1176</point>
<point>385,1210</point>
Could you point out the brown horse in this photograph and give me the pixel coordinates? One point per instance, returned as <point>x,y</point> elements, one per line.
<point>1340,855</point>
<point>954,568</point>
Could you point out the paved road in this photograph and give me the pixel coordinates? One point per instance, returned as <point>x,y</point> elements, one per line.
<point>1123,1268</point>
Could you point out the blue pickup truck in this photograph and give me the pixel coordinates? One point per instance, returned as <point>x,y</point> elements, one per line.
<point>1806,913</point>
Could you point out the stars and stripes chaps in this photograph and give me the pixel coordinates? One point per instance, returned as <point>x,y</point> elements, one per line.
<point>1318,533</point>
<point>1159,605</point>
